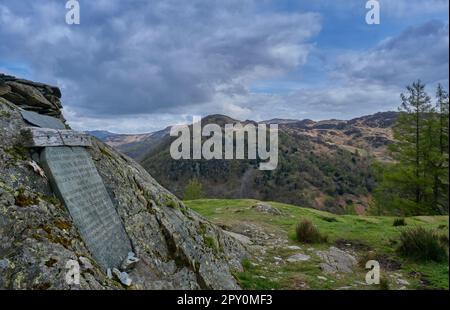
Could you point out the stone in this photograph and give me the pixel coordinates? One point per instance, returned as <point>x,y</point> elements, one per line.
<point>344,288</point>
<point>402,282</point>
<point>129,262</point>
<point>33,137</point>
<point>244,239</point>
<point>4,263</point>
<point>123,277</point>
<point>86,263</point>
<point>42,121</point>
<point>31,94</point>
<point>322,278</point>
<point>294,247</point>
<point>109,273</point>
<point>266,208</point>
<point>336,260</point>
<point>299,257</point>
<point>77,183</point>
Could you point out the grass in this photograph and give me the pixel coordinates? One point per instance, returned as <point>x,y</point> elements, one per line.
<point>399,222</point>
<point>377,232</point>
<point>422,244</point>
<point>307,232</point>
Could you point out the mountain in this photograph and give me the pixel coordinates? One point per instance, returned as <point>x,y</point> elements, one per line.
<point>177,248</point>
<point>101,134</point>
<point>134,145</point>
<point>324,164</point>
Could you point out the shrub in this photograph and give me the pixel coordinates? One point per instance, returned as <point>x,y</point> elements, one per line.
<point>307,232</point>
<point>421,244</point>
<point>399,222</point>
<point>193,190</point>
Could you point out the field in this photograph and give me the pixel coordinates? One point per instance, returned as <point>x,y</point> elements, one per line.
<point>271,240</point>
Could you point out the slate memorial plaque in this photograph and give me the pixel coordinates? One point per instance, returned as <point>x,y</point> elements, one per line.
<point>76,181</point>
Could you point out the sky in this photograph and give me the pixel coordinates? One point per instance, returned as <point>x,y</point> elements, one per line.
<point>138,66</point>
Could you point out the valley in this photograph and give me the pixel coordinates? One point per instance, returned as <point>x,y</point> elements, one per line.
<point>324,165</point>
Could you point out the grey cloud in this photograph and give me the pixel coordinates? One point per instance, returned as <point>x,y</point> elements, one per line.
<point>417,53</point>
<point>152,57</point>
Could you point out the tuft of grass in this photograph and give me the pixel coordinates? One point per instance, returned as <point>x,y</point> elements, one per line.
<point>420,244</point>
<point>384,284</point>
<point>365,257</point>
<point>443,239</point>
<point>211,243</point>
<point>249,278</point>
<point>307,232</point>
<point>399,222</point>
<point>329,219</point>
<point>172,204</point>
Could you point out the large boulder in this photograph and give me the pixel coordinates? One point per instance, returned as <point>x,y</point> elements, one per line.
<point>32,96</point>
<point>177,248</point>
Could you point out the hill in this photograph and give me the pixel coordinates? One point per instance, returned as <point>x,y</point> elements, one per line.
<point>323,165</point>
<point>278,261</point>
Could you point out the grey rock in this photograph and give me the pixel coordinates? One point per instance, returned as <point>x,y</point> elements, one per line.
<point>86,263</point>
<point>299,257</point>
<point>402,282</point>
<point>43,121</point>
<point>266,208</point>
<point>109,273</point>
<point>4,263</point>
<point>129,262</point>
<point>31,94</point>
<point>243,239</point>
<point>294,247</point>
<point>336,261</point>
<point>123,277</point>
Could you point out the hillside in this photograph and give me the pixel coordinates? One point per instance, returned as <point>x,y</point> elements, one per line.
<point>323,165</point>
<point>135,145</point>
<point>278,261</point>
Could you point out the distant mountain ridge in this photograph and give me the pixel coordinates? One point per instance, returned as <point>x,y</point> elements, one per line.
<point>323,164</point>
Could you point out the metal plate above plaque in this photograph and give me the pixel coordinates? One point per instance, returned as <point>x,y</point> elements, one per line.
<point>75,179</point>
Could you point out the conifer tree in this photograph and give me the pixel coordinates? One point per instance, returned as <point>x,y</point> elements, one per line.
<point>417,182</point>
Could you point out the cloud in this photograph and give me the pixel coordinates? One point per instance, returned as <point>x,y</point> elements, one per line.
<point>153,57</point>
<point>417,53</point>
<point>137,66</point>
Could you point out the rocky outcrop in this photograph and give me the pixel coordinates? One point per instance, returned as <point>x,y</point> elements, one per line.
<point>177,248</point>
<point>31,96</point>
<point>336,260</point>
